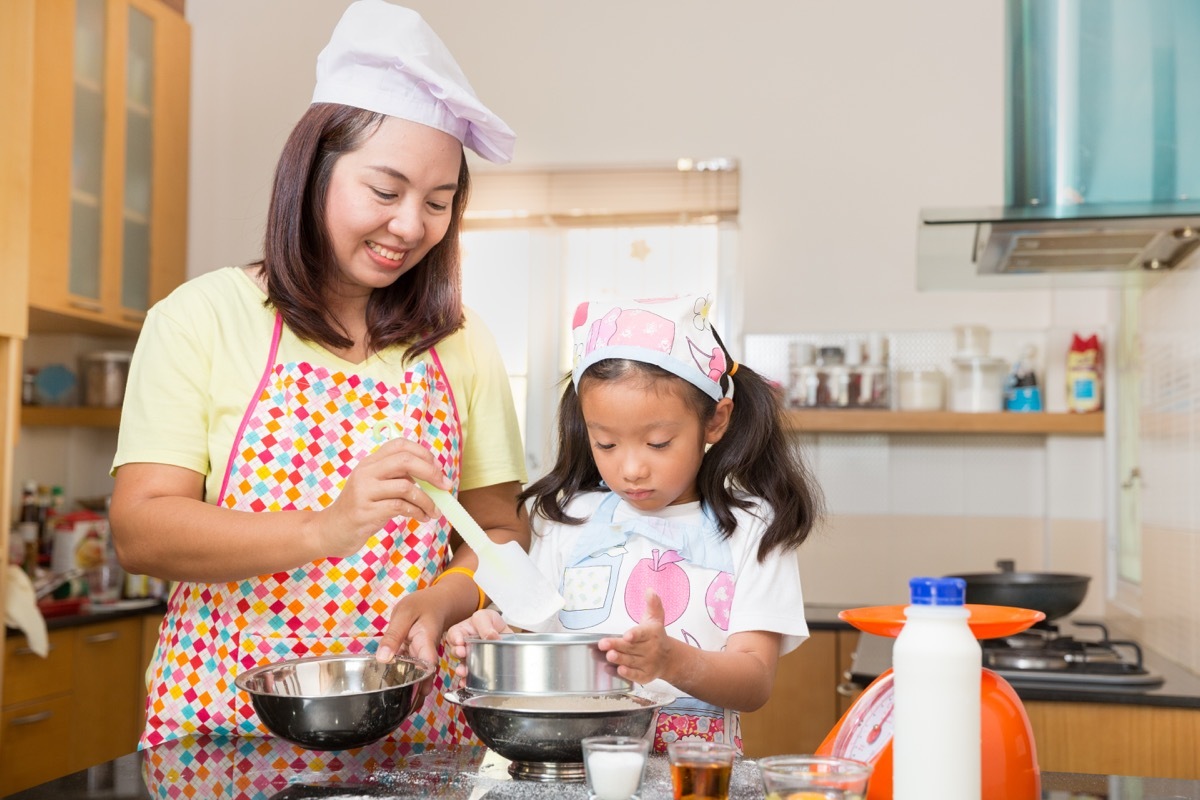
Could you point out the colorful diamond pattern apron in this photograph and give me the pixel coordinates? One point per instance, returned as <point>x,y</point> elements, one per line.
<point>305,430</point>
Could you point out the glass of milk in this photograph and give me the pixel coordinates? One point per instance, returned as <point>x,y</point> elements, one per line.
<point>614,766</point>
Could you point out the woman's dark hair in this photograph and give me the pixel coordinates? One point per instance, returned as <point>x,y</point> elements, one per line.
<point>420,309</point>
<point>754,457</point>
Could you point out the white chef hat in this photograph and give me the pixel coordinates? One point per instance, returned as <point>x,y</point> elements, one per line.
<point>386,58</point>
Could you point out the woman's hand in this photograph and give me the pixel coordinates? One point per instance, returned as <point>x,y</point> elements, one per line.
<point>483,624</point>
<point>416,625</point>
<point>381,488</point>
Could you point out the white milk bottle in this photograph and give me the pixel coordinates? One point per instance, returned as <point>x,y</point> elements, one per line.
<point>936,663</point>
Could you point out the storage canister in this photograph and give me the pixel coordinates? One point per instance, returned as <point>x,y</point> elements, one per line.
<point>978,384</point>
<point>971,341</point>
<point>104,374</point>
<point>920,389</point>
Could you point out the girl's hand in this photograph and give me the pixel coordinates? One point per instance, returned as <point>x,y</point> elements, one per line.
<point>483,624</point>
<point>381,488</point>
<point>644,653</point>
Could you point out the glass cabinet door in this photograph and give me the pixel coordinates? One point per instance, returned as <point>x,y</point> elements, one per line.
<point>87,150</point>
<point>139,163</point>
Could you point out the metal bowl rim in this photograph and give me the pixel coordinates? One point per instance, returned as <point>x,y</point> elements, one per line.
<point>426,669</point>
<point>462,697</point>
<point>528,639</point>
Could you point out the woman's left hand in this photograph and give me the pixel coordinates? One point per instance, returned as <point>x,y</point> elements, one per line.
<point>643,654</point>
<point>415,628</point>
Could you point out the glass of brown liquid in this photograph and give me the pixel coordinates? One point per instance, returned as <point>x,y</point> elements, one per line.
<point>700,770</point>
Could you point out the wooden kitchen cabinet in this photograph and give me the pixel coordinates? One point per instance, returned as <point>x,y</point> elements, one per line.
<point>805,703</point>
<point>108,196</point>
<point>107,684</point>
<point>1116,739</point>
<point>81,705</point>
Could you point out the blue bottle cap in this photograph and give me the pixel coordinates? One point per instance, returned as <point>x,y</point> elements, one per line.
<point>937,591</point>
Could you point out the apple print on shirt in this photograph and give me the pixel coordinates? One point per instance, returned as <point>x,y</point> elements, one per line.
<point>661,573</point>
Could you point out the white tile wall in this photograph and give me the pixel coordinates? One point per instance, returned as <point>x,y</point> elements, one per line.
<point>853,472</point>
<point>1169,460</point>
<point>902,505</point>
<point>1075,478</point>
<point>1004,476</point>
<point>928,476</point>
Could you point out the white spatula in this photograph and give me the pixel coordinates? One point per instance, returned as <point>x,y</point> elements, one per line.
<point>506,573</point>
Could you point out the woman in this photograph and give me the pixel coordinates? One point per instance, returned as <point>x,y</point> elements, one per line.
<point>313,389</point>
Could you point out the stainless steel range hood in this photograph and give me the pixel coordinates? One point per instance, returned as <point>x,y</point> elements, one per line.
<point>1102,168</point>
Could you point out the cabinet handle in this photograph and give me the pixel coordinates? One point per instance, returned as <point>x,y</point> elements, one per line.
<point>97,638</point>
<point>32,719</point>
<point>85,305</point>
<point>848,689</point>
<point>28,651</point>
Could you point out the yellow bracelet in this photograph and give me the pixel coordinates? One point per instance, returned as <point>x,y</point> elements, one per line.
<point>483,600</point>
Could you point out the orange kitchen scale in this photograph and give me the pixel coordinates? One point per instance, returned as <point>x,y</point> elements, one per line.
<point>1009,759</point>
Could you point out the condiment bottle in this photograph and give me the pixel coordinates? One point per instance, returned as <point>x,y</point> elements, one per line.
<point>873,375</point>
<point>832,377</point>
<point>28,531</point>
<point>800,364</point>
<point>937,669</point>
<point>852,377</point>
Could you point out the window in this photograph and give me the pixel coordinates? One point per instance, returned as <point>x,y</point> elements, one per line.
<point>526,266</point>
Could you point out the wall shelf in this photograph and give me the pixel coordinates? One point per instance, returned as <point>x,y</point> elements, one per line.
<point>947,422</point>
<point>70,416</point>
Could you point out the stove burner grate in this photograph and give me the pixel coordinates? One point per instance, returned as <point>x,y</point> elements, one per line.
<point>1042,653</point>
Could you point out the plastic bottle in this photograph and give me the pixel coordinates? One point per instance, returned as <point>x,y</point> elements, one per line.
<point>29,502</point>
<point>937,668</point>
<point>1085,374</point>
<point>1021,390</point>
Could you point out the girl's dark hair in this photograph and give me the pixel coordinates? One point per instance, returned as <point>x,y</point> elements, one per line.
<point>754,457</point>
<point>420,309</point>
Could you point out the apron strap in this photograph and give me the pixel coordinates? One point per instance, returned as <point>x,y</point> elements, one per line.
<point>607,507</point>
<point>276,335</point>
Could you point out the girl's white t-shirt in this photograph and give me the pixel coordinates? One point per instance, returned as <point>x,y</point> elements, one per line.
<point>710,587</point>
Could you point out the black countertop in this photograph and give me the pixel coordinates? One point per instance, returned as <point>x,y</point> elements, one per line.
<point>1180,687</point>
<point>90,615</point>
<point>270,769</point>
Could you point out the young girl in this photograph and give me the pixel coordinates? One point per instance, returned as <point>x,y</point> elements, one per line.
<point>672,515</point>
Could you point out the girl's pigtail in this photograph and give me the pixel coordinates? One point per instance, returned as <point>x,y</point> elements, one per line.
<point>757,458</point>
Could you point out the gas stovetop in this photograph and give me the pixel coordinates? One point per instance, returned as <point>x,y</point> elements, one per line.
<point>1039,658</point>
<point>1043,656</point>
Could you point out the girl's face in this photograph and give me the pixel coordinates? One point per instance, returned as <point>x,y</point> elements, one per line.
<point>389,202</point>
<point>646,440</point>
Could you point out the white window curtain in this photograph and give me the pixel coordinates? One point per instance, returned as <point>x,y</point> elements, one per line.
<point>535,245</point>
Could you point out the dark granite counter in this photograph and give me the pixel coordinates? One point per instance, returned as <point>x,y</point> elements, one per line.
<point>93,614</point>
<point>269,769</point>
<point>1180,687</point>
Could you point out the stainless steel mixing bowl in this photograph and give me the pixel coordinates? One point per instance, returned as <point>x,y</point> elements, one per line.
<point>532,729</point>
<point>537,663</point>
<point>334,702</point>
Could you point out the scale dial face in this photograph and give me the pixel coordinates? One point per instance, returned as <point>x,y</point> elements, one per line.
<point>867,729</point>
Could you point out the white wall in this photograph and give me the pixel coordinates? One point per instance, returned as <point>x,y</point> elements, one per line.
<point>846,117</point>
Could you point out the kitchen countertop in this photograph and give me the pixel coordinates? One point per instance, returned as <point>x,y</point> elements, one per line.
<point>1180,689</point>
<point>99,614</point>
<point>267,769</point>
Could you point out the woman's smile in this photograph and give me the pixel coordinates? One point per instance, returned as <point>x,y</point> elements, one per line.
<point>385,257</point>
